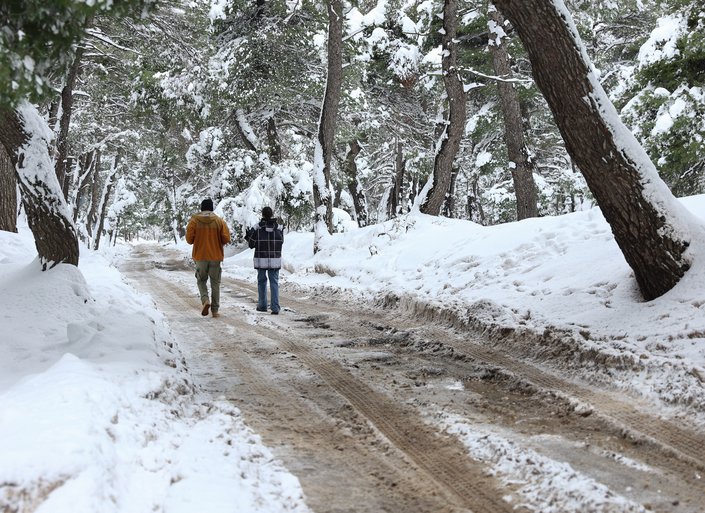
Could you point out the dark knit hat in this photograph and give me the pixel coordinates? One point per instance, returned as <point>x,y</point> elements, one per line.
<point>207,204</point>
<point>267,213</point>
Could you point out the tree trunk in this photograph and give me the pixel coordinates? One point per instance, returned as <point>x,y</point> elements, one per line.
<point>449,143</point>
<point>275,149</point>
<point>650,227</point>
<point>115,231</point>
<point>517,152</point>
<point>42,199</point>
<point>353,184</point>
<point>245,130</point>
<point>102,209</point>
<point>83,170</point>
<point>474,207</point>
<point>54,113</point>
<point>322,194</point>
<point>414,189</point>
<point>62,145</point>
<point>449,203</point>
<point>396,193</point>
<point>338,194</point>
<point>92,215</point>
<point>8,193</point>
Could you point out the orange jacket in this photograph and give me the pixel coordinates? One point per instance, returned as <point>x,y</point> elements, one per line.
<point>208,233</point>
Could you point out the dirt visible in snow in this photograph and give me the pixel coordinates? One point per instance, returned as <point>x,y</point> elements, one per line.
<point>352,398</point>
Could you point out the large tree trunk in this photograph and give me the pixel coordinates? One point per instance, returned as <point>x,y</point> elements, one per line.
<point>517,152</point>
<point>62,144</point>
<point>43,201</point>
<point>322,194</point>
<point>650,227</point>
<point>8,193</point>
<point>353,184</point>
<point>449,143</point>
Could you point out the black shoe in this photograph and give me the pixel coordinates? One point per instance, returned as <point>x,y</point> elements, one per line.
<point>261,309</point>
<point>275,313</point>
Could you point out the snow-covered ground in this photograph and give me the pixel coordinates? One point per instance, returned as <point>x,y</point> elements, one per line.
<point>562,278</point>
<point>98,411</point>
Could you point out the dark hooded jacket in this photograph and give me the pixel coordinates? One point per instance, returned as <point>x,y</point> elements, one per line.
<point>267,241</point>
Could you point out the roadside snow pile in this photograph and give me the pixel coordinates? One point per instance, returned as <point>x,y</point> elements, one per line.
<point>98,411</point>
<point>558,285</point>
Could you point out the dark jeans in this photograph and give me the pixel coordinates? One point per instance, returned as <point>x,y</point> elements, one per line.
<point>273,275</point>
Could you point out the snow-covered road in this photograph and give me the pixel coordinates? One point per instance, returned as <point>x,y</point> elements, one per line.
<point>375,409</point>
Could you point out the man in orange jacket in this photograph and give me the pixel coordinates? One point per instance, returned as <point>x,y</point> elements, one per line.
<point>208,233</point>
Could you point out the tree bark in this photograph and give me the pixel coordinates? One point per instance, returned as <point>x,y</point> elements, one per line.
<point>275,149</point>
<point>245,130</point>
<point>522,167</point>
<point>645,219</point>
<point>450,139</point>
<point>474,207</point>
<point>414,189</point>
<point>92,215</point>
<point>395,196</point>
<point>102,210</point>
<point>449,203</point>
<point>46,210</point>
<point>8,193</point>
<point>322,194</point>
<point>83,171</point>
<point>353,184</point>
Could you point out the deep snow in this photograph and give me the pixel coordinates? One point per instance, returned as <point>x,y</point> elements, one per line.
<point>98,411</point>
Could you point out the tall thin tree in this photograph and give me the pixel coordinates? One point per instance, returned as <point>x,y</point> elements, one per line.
<point>62,142</point>
<point>517,151</point>
<point>449,143</point>
<point>352,181</point>
<point>323,153</point>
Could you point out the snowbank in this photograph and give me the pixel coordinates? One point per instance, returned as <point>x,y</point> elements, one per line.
<point>97,408</point>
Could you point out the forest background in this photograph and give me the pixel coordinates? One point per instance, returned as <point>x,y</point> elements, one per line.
<point>151,106</point>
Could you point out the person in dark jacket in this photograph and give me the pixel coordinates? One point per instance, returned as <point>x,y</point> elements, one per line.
<point>267,240</point>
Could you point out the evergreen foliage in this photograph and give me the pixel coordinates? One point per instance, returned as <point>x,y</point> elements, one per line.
<point>37,39</point>
<point>222,99</point>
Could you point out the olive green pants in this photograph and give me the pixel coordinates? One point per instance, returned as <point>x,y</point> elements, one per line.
<point>206,269</point>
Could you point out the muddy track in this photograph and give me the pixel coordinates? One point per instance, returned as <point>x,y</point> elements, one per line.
<point>346,394</point>
<point>439,457</point>
<point>685,444</point>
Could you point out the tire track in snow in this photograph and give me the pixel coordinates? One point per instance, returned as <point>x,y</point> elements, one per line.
<point>441,458</point>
